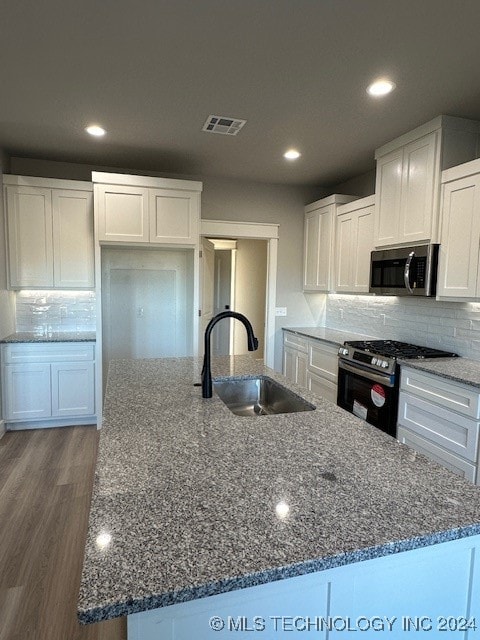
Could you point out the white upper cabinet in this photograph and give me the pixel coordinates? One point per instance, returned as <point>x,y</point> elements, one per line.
<point>319,242</point>
<point>354,243</point>
<point>458,275</point>
<point>49,233</point>
<point>122,213</point>
<point>139,209</point>
<point>408,179</point>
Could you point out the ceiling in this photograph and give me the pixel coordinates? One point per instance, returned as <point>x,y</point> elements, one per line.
<point>151,71</point>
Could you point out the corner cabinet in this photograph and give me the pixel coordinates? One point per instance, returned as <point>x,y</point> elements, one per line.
<point>408,178</point>
<point>440,419</point>
<point>144,210</point>
<point>49,233</point>
<point>459,264</point>
<point>319,242</point>
<point>311,363</point>
<point>353,245</point>
<point>48,384</point>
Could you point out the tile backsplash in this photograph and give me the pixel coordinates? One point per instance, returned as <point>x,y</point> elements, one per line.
<point>55,310</point>
<point>451,326</point>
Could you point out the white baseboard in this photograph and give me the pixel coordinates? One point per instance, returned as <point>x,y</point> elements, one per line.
<point>3,429</point>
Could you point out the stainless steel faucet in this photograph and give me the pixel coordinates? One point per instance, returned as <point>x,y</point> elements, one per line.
<point>206,370</point>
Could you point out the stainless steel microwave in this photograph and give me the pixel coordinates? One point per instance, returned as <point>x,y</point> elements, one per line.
<point>408,271</point>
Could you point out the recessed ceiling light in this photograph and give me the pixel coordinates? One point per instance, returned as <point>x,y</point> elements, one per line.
<point>292,154</point>
<point>380,87</point>
<point>95,130</point>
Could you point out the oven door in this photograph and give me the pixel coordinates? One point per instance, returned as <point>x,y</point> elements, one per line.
<point>370,395</point>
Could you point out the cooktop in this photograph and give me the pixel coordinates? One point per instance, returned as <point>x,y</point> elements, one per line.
<point>396,349</point>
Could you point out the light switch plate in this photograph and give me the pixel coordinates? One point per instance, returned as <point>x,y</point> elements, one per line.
<point>281,311</point>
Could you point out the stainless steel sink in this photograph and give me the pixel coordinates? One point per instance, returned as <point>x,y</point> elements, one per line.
<point>258,396</point>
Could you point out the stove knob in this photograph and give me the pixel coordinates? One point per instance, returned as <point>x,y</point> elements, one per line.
<point>375,361</point>
<point>384,364</point>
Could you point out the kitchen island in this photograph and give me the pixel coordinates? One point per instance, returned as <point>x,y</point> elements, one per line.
<point>197,511</point>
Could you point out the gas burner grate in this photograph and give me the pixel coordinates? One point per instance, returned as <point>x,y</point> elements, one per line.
<point>396,349</point>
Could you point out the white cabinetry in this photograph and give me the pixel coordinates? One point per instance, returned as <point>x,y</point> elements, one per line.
<point>408,178</point>
<point>50,233</point>
<point>48,384</point>
<point>354,243</point>
<point>458,274</point>
<point>440,418</point>
<point>319,242</point>
<point>295,355</point>
<point>144,210</point>
<point>311,363</point>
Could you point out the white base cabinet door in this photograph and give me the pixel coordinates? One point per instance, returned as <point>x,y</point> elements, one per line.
<point>73,389</point>
<point>322,386</point>
<point>27,391</point>
<point>48,384</point>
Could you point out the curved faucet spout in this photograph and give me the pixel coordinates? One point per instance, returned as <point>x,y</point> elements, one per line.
<point>206,370</point>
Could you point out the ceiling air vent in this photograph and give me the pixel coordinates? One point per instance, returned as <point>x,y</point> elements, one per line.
<point>223,125</point>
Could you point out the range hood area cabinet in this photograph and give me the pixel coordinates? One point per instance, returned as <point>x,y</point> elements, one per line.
<point>144,210</point>
<point>459,253</point>
<point>49,232</point>
<point>353,245</point>
<point>409,174</point>
<point>319,242</point>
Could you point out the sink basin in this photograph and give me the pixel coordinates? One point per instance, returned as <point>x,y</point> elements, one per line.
<point>258,396</point>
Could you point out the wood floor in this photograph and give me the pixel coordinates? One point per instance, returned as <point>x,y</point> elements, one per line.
<point>45,487</point>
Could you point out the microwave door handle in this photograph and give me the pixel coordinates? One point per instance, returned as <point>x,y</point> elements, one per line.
<point>406,273</point>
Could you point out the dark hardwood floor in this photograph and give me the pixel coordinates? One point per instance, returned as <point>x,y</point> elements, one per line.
<point>45,488</point>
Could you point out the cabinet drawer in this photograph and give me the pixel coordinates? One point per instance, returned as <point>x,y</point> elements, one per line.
<point>296,341</point>
<point>321,386</point>
<point>451,431</point>
<point>323,360</point>
<point>458,397</point>
<point>437,454</point>
<point>48,352</point>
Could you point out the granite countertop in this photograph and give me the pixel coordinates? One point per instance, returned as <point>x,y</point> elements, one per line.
<point>334,336</point>
<point>463,370</point>
<point>185,492</point>
<point>56,336</point>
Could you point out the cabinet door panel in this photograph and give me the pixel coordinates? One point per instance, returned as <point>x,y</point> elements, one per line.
<point>301,362</point>
<point>310,266</point>
<point>73,238</point>
<point>459,249</point>
<point>30,245</point>
<point>122,213</point>
<point>174,216</point>
<point>388,190</point>
<point>27,392</point>
<point>418,189</point>
<point>325,248</point>
<point>322,387</point>
<point>345,242</point>
<point>323,360</point>
<point>73,389</point>
<point>362,250</point>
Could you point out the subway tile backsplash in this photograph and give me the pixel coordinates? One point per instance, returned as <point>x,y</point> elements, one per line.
<point>55,310</point>
<point>451,326</point>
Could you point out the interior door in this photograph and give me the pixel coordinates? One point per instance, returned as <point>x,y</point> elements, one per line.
<point>223,301</point>
<point>207,265</point>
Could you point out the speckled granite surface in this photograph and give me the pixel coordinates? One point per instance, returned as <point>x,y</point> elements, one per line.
<point>328,335</point>
<point>57,336</point>
<point>187,491</point>
<point>461,370</point>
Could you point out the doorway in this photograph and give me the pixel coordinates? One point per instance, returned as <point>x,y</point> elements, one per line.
<point>253,282</point>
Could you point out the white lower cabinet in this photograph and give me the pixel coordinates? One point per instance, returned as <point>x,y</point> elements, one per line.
<point>48,384</point>
<point>311,363</point>
<point>440,419</point>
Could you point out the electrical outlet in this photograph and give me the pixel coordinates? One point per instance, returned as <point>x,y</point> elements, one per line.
<point>341,314</point>
<point>281,311</point>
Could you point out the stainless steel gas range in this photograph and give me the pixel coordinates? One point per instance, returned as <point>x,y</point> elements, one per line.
<point>369,378</point>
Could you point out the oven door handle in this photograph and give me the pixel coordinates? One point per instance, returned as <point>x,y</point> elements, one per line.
<point>406,274</point>
<point>385,379</point>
